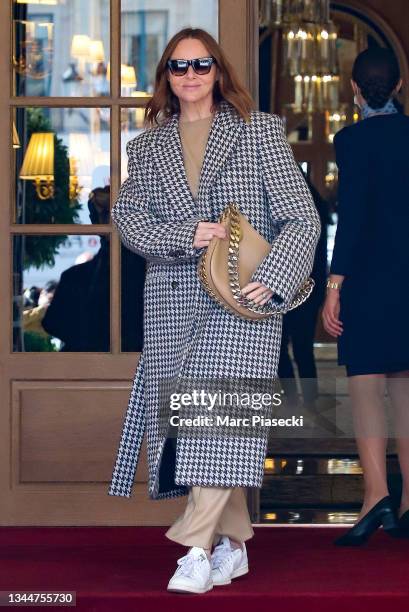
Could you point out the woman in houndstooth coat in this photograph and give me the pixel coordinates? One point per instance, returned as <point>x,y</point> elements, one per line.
<point>249,161</point>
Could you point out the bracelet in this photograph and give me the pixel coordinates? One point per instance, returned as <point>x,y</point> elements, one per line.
<point>333,285</point>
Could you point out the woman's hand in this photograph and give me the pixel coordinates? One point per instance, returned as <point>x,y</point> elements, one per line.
<point>330,313</point>
<point>205,231</point>
<point>255,290</point>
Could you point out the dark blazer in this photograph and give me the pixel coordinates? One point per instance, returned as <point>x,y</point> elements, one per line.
<point>371,244</point>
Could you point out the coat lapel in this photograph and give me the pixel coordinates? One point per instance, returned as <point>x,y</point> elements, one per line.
<point>168,158</point>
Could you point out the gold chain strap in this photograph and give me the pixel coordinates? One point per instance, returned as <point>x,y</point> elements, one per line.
<point>204,280</point>
<point>233,264</point>
<point>236,235</point>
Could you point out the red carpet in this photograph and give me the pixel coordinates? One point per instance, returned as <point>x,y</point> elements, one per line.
<point>292,569</point>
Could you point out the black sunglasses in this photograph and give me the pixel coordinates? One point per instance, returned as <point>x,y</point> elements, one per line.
<point>201,65</point>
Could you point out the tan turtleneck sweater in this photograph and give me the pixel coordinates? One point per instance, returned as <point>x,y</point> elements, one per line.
<point>193,136</point>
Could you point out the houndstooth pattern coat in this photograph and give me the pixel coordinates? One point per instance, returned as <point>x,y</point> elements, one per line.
<point>186,332</point>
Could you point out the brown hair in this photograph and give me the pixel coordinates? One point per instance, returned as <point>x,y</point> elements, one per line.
<point>227,87</point>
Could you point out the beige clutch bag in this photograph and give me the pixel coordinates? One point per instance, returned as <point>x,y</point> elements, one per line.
<point>227,265</point>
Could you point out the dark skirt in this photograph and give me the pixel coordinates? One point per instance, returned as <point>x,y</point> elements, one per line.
<point>356,370</point>
<point>374,312</point>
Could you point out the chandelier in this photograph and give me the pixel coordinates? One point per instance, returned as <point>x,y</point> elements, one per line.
<point>309,50</point>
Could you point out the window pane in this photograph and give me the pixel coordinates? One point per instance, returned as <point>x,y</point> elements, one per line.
<point>146,31</point>
<point>62,162</point>
<point>131,126</point>
<point>61,47</point>
<point>132,265</point>
<point>61,293</point>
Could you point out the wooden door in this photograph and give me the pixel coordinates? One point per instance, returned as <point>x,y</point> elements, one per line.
<point>62,410</point>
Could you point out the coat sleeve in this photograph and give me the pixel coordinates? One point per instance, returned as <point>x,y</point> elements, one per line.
<point>292,208</point>
<point>140,230</point>
<point>353,175</point>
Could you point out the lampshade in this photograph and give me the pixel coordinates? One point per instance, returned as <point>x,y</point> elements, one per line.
<point>128,75</point>
<point>80,46</point>
<point>39,156</point>
<point>96,51</point>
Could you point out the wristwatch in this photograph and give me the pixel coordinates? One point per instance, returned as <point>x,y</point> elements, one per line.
<point>333,285</point>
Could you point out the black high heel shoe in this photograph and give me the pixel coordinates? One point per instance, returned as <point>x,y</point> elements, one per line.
<point>383,513</point>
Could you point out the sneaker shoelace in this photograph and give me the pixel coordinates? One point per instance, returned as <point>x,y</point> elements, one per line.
<point>186,565</point>
<point>220,554</point>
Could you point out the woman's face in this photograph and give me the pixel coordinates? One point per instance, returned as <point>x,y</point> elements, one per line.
<point>192,87</point>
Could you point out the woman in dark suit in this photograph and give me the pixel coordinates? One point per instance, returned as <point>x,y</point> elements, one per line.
<point>367,299</point>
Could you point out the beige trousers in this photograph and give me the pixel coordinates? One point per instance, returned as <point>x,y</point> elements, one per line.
<point>211,512</point>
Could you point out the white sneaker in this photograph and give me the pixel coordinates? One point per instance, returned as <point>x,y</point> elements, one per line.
<point>193,574</point>
<point>227,563</point>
